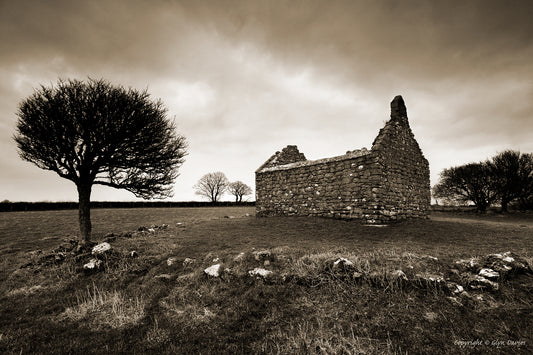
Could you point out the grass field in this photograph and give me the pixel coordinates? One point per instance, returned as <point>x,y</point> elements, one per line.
<point>307,305</point>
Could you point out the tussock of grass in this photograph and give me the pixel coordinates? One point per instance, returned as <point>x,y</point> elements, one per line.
<point>97,309</point>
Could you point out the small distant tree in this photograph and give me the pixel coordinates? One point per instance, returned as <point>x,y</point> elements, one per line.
<point>96,133</point>
<point>471,182</point>
<point>239,189</point>
<point>212,186</point>
<point>445,195</point>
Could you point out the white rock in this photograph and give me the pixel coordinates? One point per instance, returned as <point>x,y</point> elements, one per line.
<point>93,264</point>
<point>259,272</point>
<point>213,270</point>
<point>239,257</point>
<point>342,261</point>
<point>188,261</point>
<point>151,230</point>
<point>172,260</point>
<point>505,257</point>
<point>483,282</point>
<point>101,248</point>
<point>262,255</point>
<point>455,288</point>
<point>216,260</point>
<point>489,273</point>
<point>398,274</point>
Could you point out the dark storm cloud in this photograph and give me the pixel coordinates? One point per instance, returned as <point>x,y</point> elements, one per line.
<point>245,78</point>
<point>370,40</point>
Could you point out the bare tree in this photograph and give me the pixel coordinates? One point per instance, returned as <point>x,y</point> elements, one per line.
<point>95,133</point>
<point>511,171</point>
<point>212,186</point>
<point>239,189</point>
<point>470,182</point>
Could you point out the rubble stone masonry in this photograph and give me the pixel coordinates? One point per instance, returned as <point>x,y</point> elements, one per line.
<point>386,184</point>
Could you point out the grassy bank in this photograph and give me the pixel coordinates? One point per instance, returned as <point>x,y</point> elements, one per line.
<point>162,302</point>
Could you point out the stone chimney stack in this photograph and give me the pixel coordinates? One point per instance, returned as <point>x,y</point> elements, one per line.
<point>398,112</point>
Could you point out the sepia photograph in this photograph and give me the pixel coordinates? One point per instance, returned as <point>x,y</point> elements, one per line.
<point>266,177</point>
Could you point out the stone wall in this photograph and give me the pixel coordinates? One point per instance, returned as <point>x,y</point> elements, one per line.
<point>388,183</point>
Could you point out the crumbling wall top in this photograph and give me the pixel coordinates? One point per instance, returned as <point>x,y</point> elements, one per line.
<point>289,154</point>
<point>349,155</point>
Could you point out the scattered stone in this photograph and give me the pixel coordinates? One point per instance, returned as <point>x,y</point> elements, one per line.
<point>93,264</point>
<point>263,255</point>
<point>151,230</point>
<point>134,254</point>
<point>341,263</point>
<point>216,260</point>
<point>172,260</point>
<point>239,257</point>
<point>266,263</point>
<point>259,272</point>
<point>188,262</point>
<point>454,288</point>
<point>430,277</point>
<point>489,273</point>
<point>213,270</point>
<point>478,282</point>
<point>59,257</point>
<point>248,215</point>
<point>357,275</point>
<point>431,257</point>
<point>398,274</point>
<point>164,277</point>
<point>101,248</point>
<point>472,263</point>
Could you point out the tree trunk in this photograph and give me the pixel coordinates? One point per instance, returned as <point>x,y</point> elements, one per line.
<point>84,215</point>
<point>504,205</point>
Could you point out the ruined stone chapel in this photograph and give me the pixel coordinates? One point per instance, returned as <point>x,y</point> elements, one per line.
<point>388,183</point>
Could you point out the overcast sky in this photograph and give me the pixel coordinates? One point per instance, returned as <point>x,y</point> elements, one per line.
<point>243,79</point>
